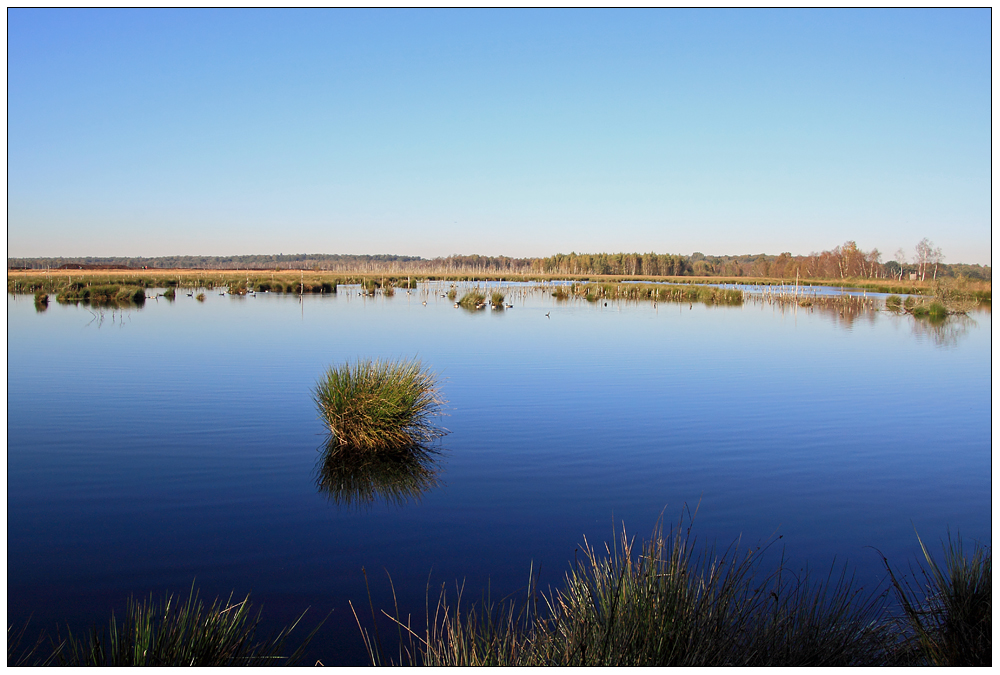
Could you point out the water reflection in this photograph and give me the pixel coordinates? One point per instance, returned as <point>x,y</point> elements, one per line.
<point>357,478</point>
<point>944,332</point>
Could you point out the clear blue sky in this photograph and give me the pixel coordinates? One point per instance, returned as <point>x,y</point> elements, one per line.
<point>508,132</point>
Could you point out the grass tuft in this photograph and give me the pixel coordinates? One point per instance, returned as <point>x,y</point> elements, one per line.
<point>472,300</point>
<point>170,633</point>
<point>662,604</point>
<point>379,405</point>
<point>949,609</point>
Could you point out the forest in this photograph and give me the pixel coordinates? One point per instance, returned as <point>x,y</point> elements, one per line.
<point>846,261</point>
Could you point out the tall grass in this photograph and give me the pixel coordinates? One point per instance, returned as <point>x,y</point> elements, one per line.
<point>948,610</point>
<point>379,405</point>
<point>496,299</point>
<point>173,632</point>
<point>663,604</point>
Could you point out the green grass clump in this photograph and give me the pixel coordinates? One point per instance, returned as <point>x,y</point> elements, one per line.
<point>496,299</point>
<point>893,302</point>
<point>169,633</point>
<point>665,605</point>
<point>379,405</point>
<point>560,294</point>
<point>200,297</point>
<point>452,294</point>
<point>472,300</point>
<point>949,608</point>
<point>41,301</point>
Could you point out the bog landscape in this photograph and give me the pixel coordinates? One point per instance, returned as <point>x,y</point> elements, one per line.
<point>501,462</point>
<point>618,337</point>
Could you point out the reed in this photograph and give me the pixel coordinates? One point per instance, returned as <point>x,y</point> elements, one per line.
<point>496,299</point>
<point>948,609</point>
<point>380,406</point>
<point>171,633</point>
<point>452,294</point>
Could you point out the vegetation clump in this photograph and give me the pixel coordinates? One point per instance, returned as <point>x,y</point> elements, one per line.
<point>379,405</point>
<point>170,633</point>
<point>666,605</point>
<point>949,613</point>
<point>496,299</point>
<point>473,300</point>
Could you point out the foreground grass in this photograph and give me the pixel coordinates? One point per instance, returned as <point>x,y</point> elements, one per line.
<point>948,610</point>
<point>167,633</point>
<point>379,405</point>
<point>663,604</point>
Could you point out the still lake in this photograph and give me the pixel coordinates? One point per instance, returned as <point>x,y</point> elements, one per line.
<point>151,447</point>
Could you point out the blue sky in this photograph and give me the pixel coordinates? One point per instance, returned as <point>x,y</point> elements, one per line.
<point>509,132</point>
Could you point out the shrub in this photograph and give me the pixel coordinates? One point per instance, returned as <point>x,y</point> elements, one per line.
<point>379,405</point>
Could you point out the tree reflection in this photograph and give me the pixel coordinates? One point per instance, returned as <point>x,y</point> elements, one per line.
<point>357,478</point>
<point>944,332</point>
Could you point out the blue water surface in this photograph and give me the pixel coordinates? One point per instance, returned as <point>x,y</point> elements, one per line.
<point>151,447</point>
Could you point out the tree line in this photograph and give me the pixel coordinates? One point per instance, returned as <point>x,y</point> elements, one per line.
<point>847,261</point>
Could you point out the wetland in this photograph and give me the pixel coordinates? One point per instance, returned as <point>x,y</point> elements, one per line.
<point>175,439</point>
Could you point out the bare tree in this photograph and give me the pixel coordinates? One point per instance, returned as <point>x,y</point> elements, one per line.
<point>936,257</point>
<point>924,249</point>
<point>901,259</point>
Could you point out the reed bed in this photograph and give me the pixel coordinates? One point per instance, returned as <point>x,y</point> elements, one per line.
<point>380,405</point>
<point>167,633</point>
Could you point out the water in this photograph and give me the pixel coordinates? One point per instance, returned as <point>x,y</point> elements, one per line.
<point>179,442</point>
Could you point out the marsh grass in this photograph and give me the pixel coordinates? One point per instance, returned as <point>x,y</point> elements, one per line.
<point>656,292</point>
<point>200,297</point>
<point>496,299</point>
<point>380,405</point>
<point>103,295</point>
<point>662,603</point>
<point>472,300</point>
<point>452,294</point>
<point>41,301</point>
<point>174,632</point>
<point>948,609</point>
<point>354,478</point>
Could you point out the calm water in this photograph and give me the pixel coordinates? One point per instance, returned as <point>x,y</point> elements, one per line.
<point>180,441</point>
